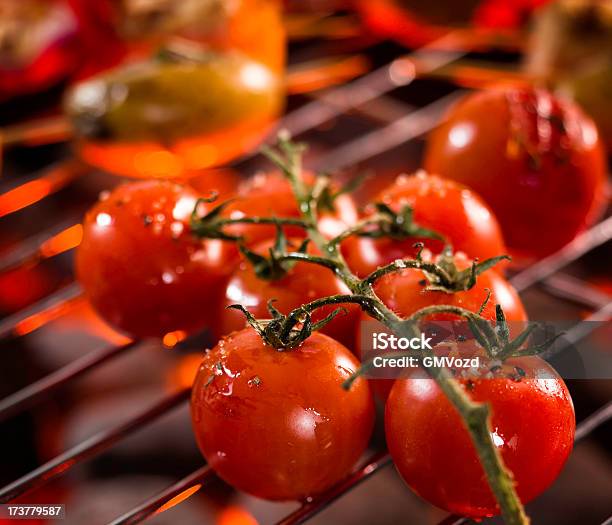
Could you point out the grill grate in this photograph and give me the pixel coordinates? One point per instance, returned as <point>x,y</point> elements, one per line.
<point>396,125</point>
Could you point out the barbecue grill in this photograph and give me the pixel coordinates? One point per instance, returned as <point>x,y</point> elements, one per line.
<point>374,121</point>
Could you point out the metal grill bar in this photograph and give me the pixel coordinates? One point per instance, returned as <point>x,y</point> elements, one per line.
<point>577,290</point>
<point>595,420</point>
<point>582,329</point>
<point>329,105</point>
<point>153,505</point>
<point>29,395</point>
<point>9,326</point>
<point>29,249</point>
<point>582,244</point>
<point>399,72</point>
<point>378,141</point>
<point>88,448</point>
<point>52,180</point>
<point>453,520</point>
<point>313,507</point>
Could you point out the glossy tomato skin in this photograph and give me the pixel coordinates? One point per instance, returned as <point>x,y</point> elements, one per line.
<point>439,204</point>
<point>537,161</point>
<point>533,427</point>
<point>222,182</point>
<point>405,292</point>
<point>303,283</point>
<point>140,266</point>
<point>270,195</point>
<point>277,424</point>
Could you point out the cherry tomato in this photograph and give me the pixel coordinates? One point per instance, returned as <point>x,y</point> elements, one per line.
<point>532,424</point>
<point>303,283</point>
<point>277,424</point>
<point>537,160</point>
<point>570,44</point>
<point>405,292</point>
<point>270,195</point>
<point>442,205</point>
<point>141,268</point>
<point>222,182</point>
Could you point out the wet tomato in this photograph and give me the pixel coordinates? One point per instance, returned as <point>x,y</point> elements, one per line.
<point>532,426</point>
<point>439,204</point>
<point>278,424</point>
<point>569,48</point>
<point>140,266</point>
<point>406,291</point>
<point>537,160</point>
<point>303,282</point>
<point>270,195</point>
<point>222,182</point>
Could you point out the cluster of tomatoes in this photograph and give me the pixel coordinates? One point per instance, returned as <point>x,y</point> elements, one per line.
<point>277,423</point>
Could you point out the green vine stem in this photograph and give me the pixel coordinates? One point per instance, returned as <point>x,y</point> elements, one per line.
<point>475,415</point>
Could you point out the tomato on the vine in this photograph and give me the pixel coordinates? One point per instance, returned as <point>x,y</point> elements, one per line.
<point>532,426</point>
<point>141,267</point>
<point>406,291</point>
<point>301,283</point>
<point>536,159</point>
<point>277,423</point>
<point>270,195</point>
<point>438,204</point>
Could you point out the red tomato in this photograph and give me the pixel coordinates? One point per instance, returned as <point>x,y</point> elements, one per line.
<point>404,292</point>
<point>277,424</point>
<point>532,424</point>
<point>537,160</point>
<point>141,268</point>
<point>223,182</point>
<point>442,205</point>
<point>303,283</point>
<point>270,195</point>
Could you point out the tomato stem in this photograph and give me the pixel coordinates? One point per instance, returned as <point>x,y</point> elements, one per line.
<point>211,227</point>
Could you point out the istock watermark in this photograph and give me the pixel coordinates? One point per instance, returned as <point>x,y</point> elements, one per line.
<point>452,345</point>
<point>452,362</point>
<point>387,341</point>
